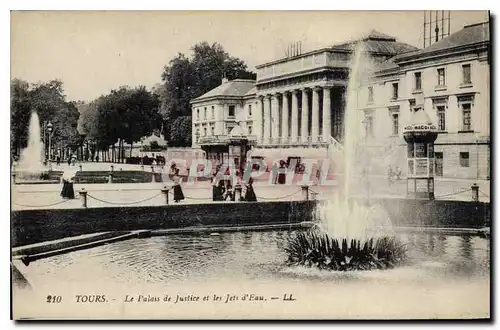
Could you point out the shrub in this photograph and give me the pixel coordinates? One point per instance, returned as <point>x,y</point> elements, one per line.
<point>312,249</point>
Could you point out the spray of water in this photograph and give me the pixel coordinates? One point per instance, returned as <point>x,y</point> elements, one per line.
<point>31,160</point>
<point>342,217</point>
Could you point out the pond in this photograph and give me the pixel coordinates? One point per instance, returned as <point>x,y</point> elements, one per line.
<point>447,275</point>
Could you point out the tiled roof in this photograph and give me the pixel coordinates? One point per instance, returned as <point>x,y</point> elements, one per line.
<point>377,42</point>
<point>470,34</point>
<point>237,87</point>
<point>252,91</point>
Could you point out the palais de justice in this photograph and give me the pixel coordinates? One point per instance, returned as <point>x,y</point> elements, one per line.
<point>297,103</point>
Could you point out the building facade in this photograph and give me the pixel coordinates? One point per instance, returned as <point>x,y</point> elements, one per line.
<point>298,103</point>
<point>450,81</point>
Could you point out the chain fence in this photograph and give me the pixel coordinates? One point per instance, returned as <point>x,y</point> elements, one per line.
<point>124,203</point>
<point>40,206</point>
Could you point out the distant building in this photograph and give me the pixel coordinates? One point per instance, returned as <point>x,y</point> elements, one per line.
<point>450,81</point>
<point>297,104</point>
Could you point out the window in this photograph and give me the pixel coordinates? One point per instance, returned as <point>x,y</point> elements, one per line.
<point>231,111</point>
<point>249,129</point>
<point>464,159</point>
<point>441,77</point>
<point>197,113</point>
<point>441,114</point>
<point>212,129</point>
<point>197,134</point>
<point>466,116</point>
<point>204,131</point>
<point>412,105</point>
<point>395,123</point>
<point>213,112</point>
<point>370,94</point>
<point>466,74</point>
<point>205,113</point>
<point>418,80</point>
<point>250,110</point>
<point>395,91</point>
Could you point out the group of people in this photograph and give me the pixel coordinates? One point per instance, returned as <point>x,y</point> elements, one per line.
<point>222,190</point>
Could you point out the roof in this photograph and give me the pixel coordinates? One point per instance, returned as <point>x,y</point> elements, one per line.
<point>237,87</point>
<point>387,65</point>
<point>252,91</point>
<point>469,35</point>
<point>377,42</point>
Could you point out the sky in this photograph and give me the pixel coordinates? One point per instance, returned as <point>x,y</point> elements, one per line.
<point>93,52</point>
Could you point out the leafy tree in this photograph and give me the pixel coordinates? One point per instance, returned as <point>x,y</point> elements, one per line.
<point>124,115</point>
<point>185,79</point>
<point>48,100</point>
<point>180,126</point>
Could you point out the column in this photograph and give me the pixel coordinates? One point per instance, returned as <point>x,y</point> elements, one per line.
<point>275,121</point>
<point>315,115</point>
<point>304,126</point>
<point>267,119</point>
<point>257,126</point>
<point>295,117</point>
<point>284,117</point>
<point>327,113</point>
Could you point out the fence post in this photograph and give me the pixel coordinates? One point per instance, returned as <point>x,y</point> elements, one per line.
<point>110,177</point>
<point>305,192</point>
<point>153,176</point>
<point>237,193</point>
<point>112,168</point>
<point>83,195</point>
<point>165,192</point>
<point>142,168</point>
<point>80,166</point>
<point>475,192</point>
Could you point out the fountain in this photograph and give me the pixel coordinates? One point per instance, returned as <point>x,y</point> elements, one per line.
<point>350,235</point>
<point>30,165</point>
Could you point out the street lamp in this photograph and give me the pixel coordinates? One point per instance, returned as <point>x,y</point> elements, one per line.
<point>49,130</point>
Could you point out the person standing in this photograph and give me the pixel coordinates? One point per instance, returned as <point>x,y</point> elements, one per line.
<point>68,178</point>
<point>250,193</point>
<point>178,194</point>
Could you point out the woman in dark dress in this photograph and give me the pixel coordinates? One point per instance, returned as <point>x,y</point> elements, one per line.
<point>250,193</point>
<point>67,191</point>
<point>178,194</point>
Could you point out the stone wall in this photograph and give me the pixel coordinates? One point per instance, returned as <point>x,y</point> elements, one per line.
<point>33,226</point>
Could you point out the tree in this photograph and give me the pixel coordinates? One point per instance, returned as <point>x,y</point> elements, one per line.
<point>185,79</point>
<point>124,115</point>
<point>48,100</point>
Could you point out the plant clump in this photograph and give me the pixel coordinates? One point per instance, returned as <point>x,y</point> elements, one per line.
<point>312,249</point>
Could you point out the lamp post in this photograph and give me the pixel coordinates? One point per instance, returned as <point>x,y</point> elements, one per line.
<point>49,130</point>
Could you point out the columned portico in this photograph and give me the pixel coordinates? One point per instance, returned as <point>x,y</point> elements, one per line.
<point>315,115</point>
<point>304,125</point>
<point>275,120</point>
<point>295,117</point>
<point>285,119</point>
<point>259,123</point>
<point>327,120</point>
<point>267,119</point>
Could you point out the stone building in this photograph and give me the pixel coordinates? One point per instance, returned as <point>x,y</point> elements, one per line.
<point>296,106</point>
<point>450,81</point>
